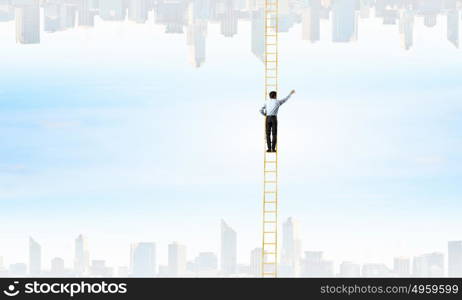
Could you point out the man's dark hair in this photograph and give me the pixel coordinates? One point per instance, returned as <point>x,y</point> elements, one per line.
<point>273,95</point>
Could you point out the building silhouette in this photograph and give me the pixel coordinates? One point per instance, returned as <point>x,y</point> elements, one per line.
<point>344,21</point>
<point>81,256</point>
<point>17,270</point>
<point>228,258</point>
<point>206,263</point>
<point>28,22</point>
<point>98,268</point>
<point>257,43</point>
<point>35,258</point>
<point>6,11</point>
<point>143,260</point>
<point>406,29</point>
<point>453,27</point>
<point>428,265</point>
<point>255,262</point>
<point>455,259</point>
<point>314,265</point>
<point>176,259</point>
<point>402,266</point>
<point>311,21</point>
<point>291,248</point>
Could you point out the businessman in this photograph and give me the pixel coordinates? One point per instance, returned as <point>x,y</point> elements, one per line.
<point>270,111</point>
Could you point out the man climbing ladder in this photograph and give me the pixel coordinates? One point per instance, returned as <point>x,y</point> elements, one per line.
<point>270,110</point>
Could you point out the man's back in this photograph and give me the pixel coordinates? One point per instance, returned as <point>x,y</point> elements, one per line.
<point>271,106</point>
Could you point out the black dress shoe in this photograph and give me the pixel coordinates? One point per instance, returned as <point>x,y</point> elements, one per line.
<point>273,150</point>
<point>268,151</point>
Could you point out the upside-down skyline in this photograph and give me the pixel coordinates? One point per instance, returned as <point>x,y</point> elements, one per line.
<point>192,18</point>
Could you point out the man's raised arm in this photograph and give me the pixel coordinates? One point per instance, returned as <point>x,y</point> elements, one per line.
<point>282,101</point>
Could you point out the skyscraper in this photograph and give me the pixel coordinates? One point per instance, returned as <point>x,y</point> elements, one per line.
<point>206,263</point>
<point>81,256</point>
<point>257,33</point>
<point>143,260</point>
<point>176,259</point>
<point>228,18</point>
<point>455,259</point>
<point>255,262</point>
<point>6,11</point>
<point>428,265</point>
<point>406,29</point>
<point>35,258</point>
<point>453,27</point>
<point>344,21</point>
<point>138,11</point>
<point>86,13</point>
<point>311,21</point>
<point>402,266</point>
<point>291,247</point>
<point>28,22</point>
<point>315,266</point>
<point>196,38</point>
<point>228,257</point>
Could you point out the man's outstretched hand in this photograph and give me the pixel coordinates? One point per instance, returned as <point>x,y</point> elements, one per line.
<point>292,92</point>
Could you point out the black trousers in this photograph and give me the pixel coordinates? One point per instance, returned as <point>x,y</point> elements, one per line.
<point>271,127</point>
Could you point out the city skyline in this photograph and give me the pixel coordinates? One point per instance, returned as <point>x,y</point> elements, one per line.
<point>192,18</point>
<point>292,262</point>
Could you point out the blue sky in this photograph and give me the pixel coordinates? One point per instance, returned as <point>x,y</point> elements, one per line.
<point>119,138</point>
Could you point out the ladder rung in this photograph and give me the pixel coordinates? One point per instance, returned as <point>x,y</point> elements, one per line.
<point>270,201</point>
<point>269,263</point>
<point>264,253</point>
<point>270,211</point>
<point>269,221</point>
<point>270,192</point>
<point>271,181</point>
